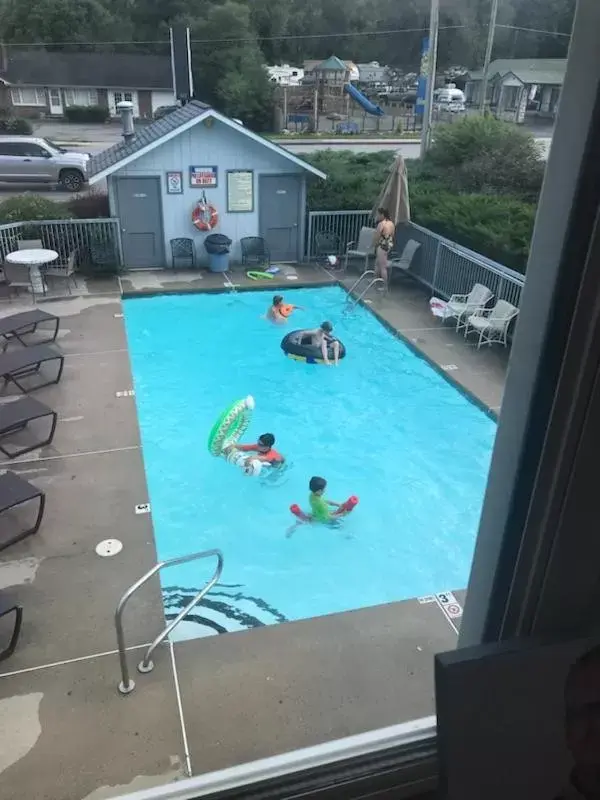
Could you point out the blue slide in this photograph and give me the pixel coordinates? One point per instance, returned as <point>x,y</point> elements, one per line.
<point>363,101</point>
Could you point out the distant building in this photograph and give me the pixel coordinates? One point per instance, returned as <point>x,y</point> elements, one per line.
<point>373,75</point>
<point>37,83</point>
<point>519,87</point>
<point>285,75</point>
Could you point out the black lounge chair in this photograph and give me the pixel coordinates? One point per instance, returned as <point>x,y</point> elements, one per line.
<point>14,492</point>
<point>19,364</point>
<point>14,418</point>
<point>8,606</point>
<point>17,326</point>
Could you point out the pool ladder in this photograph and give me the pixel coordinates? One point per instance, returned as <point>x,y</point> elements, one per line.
<point>127,685</point>
<point>352,302</point>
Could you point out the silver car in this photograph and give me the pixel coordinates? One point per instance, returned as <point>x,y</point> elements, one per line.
<point>26,159</point>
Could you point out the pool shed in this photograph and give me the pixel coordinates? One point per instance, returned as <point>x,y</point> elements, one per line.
<point>194,158</point>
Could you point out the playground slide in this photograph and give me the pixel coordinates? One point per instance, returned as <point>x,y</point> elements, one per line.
<point>363,101</point>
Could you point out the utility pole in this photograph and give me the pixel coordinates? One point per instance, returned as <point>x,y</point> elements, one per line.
<point>488,56</point>
<point>434,26</point>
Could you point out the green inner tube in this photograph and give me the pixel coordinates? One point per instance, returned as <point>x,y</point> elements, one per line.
<point>256,276</point>
<point>229,427</point>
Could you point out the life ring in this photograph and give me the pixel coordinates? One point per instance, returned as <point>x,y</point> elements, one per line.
<point>230,426</point>
<point>205,217</point>
<point>342,511</point>
<point>294,346</point>
<point>257,276</point>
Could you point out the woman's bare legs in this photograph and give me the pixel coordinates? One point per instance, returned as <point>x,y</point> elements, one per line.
<point>381,265</point>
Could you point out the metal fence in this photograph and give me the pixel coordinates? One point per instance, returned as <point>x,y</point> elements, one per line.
<point>443,266</point>
<point>96,242</point>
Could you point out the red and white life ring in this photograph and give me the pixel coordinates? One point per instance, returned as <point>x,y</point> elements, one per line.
<point>205,217</point>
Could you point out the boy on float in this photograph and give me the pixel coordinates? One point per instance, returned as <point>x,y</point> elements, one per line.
<point>262,450</point>
<point>321,337</point>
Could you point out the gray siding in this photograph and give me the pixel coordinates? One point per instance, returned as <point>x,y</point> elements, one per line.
<point>217,145</point>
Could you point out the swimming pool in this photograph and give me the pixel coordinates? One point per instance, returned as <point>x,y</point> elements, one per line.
<point>383,425</point>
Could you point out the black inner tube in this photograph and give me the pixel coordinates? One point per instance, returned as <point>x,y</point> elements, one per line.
<point>297,343</point>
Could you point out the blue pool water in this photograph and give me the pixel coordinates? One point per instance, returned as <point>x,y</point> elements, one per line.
<point>382,425</point>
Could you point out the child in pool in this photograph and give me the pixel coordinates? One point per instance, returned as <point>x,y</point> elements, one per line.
<point>263,450</point>
<point>320,507</point>
<point>279,311</point>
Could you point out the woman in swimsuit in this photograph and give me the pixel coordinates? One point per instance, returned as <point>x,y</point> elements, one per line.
<point>383,242</point>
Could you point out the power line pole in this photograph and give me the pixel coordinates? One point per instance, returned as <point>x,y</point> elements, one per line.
<point>434,26</point>
<point>488,56</point>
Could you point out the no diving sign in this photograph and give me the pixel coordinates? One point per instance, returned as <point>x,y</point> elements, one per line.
<point>449,605</point>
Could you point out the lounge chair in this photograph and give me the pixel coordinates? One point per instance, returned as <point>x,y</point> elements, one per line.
<point>19,364</point>
<point>404,261</point>
<point>363,248</point>
<point>492,323</point>
<point>18,326</point>
<point>462,305</point>
<point>15,492</point>
<point>9,605</point>
<point>14,418</point>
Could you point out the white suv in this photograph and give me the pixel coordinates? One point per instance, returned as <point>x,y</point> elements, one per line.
<point>26,159</point>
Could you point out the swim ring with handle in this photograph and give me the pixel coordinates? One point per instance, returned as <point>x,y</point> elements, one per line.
<point>230,426</point>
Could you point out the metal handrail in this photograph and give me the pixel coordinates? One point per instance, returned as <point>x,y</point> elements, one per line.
<point>146,665</point>
<point>355,284</point>
<point>352,302</point>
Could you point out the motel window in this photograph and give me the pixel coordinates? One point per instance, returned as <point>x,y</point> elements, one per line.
<point>28,97</point>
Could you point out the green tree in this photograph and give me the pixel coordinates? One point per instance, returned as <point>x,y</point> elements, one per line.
<point>55,22</point>
<point>228,65</point>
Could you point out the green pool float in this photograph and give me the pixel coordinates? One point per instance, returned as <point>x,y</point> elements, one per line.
<point>230,426</point>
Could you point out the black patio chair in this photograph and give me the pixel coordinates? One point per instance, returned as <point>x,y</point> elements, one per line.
<point>9,606</point>
<point>255,251</point>
<point>20,326</point>
<point>15,417</point>
<point>26,362</point>
<point>182,252</point>
<point>16,492</point>
<point>327,243</point>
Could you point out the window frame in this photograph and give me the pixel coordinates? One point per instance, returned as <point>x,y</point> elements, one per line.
<point>527,548</point>
<point>39,93</point>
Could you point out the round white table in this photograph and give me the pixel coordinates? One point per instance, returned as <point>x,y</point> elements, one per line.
<point>33,259</point>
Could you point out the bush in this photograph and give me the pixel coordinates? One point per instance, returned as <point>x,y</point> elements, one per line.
<point>16,125</point>
<point>498,227</point>
<point>89,206</point>
<point>484,155</point>
<point>353,179</point>
<point>86,114</point>
<point>27,206</point>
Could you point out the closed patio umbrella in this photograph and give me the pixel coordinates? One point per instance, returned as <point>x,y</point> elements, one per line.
<point>394,195</point>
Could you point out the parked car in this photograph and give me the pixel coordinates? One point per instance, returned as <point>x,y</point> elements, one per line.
<point>26,159</point>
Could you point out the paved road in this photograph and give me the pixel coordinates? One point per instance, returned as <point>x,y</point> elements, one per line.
<point>407,150</point>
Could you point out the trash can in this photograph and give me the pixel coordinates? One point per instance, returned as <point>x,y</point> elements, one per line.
<point>217,246</point>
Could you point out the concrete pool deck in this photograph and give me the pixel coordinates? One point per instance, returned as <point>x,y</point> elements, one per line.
<point>66,733</point>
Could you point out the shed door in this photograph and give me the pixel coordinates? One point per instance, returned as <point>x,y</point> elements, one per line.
<point>279,215</point>
<point>138,201</point>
